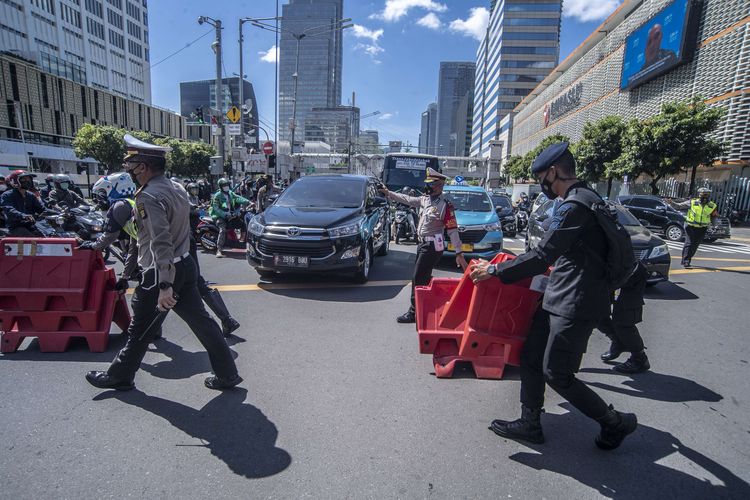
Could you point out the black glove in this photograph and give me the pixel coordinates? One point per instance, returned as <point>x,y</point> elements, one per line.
<point>86,245</point>
<point>122,285</point>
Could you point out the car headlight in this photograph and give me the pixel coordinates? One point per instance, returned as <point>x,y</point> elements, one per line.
<point>658,251</point>
<point>495,226</point>
<point>348,230</point>
<point>255,227</point>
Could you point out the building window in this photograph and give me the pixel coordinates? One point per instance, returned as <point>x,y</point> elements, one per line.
<point>116,39</point>
<point>70,15</point>
<point>84,106</point>
<point>45,5</point>
<point>72,124</point>
<point>13,4</point>
<point>135,48</point>
<point>95,8</point>
<point>532,21</point>
<point>114,18</point>
<point>147,57</point>
<point>96,104</point>
<point>45,92</point>
<point>42,19</point>
<point>61,94</point>
<point>14,81</point>
<point>134,30</point>
<point>29,117</point>
<point>94,28</point>
<point>114,109</point>
<point>58,125</point>
<point>133,10</point>
<point>14,31</point>
<point>115,3</point>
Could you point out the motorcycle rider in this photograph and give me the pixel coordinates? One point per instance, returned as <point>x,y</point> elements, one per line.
<point>524,203</point>
<point>19,204</point>
<point>61,195</point>
<point>224,204</point>
<point>48,187</point>
<point>410,213</point>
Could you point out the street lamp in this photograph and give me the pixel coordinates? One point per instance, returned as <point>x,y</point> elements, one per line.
<point>216,47</point>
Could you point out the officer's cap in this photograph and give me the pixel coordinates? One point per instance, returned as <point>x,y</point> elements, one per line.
<point>137,148</point>
<point>548,157</point>
<point>434,176</point>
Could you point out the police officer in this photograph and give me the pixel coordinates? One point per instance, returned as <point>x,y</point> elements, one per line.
<point>576,299</point>
<point>436,216</point>
<point>701,211</point>
<point>169,274</point>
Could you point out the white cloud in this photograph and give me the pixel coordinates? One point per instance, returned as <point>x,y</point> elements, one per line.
<point>588,10</point>
<point>362,32</point>
<point>475,25</point>
<point>386,116</point>
<point>396,9</point>
<point>430,21</point>
<point>269,55</point>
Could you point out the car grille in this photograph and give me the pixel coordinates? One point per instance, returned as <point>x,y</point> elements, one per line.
<point>472,235</point>
<point>641,253</point>
<point>313,249</point>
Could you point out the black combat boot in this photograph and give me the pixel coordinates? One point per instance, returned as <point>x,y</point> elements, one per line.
<point>615,426</point>
<point>527,428</point>
<point>636,363</point>
<point>615,349</point>
<point>407,317</point>
<point>213,300</point>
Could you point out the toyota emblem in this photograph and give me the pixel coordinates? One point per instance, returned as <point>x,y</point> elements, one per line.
<point>461,229</point>
<point>293,231</point>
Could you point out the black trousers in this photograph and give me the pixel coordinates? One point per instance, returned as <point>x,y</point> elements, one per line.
<point>189,307</point>
<point>22,232</point>
<point>625,334</point>
<point>693,238</point>
<point>427,259</point>
<point>203,287</point>
<point>552,354</point>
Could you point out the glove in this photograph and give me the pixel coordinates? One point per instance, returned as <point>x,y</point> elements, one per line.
<point>122,285</point>
<point>86,245</point>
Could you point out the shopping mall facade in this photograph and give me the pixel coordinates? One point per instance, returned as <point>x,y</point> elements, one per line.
<point>673,50</point>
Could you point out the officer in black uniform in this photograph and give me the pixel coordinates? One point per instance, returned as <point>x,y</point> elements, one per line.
<point>576,299</point>
<point>169,278</point>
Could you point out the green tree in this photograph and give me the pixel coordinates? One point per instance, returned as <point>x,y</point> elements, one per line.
<point>187,158</point>
<point>520,169</point>
<point>676,140</point>
<point>516,168</point>
<point>599,147</point>
<point>105,144</point>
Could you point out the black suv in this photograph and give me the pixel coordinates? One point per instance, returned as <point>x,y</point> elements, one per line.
<point>321,223</point>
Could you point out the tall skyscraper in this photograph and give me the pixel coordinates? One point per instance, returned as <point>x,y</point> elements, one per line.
<point>456,81</point>
<point>520,48</point>
<point>320,61</point>
<point>102,45</point>
<point>338,127</point>
<point>427,133</point>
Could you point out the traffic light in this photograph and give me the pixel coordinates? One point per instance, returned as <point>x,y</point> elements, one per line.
<point>199,114</point>
<point>272,163</point>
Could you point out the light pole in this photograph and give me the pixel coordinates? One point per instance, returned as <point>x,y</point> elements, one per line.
<point>216,23</point>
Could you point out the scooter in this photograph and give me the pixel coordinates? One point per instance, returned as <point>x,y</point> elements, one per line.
<point>208,232</point>
<point>522,220</point>
<point>404,221</point>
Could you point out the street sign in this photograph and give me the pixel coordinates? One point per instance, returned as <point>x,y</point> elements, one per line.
<point>239,154</point>
<point>234,114</point>
<point>216,166</point>
<point>214,129</point>
<point>233,129</point>
<point>268,148</point>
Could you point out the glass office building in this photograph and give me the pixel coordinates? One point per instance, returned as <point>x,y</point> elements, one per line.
<point>456,82</point>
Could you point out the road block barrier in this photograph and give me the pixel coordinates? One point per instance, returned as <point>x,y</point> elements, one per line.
<point>483,324</point>
<point>54,292</point>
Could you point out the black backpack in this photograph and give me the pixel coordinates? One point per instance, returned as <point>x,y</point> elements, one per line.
<point>620,261</point>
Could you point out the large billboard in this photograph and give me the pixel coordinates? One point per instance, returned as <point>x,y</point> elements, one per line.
<point>663,42</point>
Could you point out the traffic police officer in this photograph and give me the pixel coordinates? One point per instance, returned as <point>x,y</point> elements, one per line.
<point>576,299</point>
<point>436,216</point>
<point>700,212</point>
<point>169,274</point>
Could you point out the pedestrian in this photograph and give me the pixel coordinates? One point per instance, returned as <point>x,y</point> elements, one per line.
<point>575,301</point>
<point>20,205</point>
<point>224,205</point>
<point>620,327</point>
<point>700,212</point>
<point>436,216</point>
<point>169,278</point>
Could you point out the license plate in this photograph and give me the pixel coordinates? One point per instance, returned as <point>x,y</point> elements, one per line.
<point>465,247</point>
<point>291,260</point>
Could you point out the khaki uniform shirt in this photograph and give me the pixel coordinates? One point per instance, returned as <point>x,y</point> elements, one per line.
<point>436,215</point>
<point>162,215</point>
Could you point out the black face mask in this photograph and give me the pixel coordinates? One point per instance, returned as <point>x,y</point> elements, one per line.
<point>134,177</point>
<point>704,201</point>
<point>27,184</point>
<point>427,189</point>
<point>546,186</point>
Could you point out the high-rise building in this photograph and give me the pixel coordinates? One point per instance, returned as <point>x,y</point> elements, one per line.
<point>337,127</point>
<point>520,48</point>
<point>96,43</point>
<point>456,81</point>
<point>462,126</point>
<point>202,94</point>
<point>427,132</point>
<point>369,141</point>
<point>320,59</point>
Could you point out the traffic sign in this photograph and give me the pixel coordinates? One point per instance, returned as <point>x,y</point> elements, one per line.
<point>233,129</point>
<point>234,114</point>
<point>268,148</point>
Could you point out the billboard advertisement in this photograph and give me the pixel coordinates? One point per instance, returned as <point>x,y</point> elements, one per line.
<point>660,44</point>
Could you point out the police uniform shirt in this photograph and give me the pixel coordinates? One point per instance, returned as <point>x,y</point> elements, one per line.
<point>577,288</point>
<point>162,217</point>
<point>436,214</point>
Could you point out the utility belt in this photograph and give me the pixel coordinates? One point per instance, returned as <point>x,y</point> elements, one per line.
<point>181,258</point>
<point>437,240</point>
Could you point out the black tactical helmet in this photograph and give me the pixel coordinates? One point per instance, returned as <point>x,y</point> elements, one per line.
<point>223,182</point>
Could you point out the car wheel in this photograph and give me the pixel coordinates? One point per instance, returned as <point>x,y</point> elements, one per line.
<point>383,250</point>
<point>363,273</point>
<point>674,233</point>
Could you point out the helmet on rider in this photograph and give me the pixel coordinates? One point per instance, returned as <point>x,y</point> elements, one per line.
<point>62,181</point>
<point>704,192</point>
<point>48,180</point>
<point>19,179</point>
<point>3,185</point>
<point>113,187</point>
<point>193,189</point>
<point>524,196</point>
<point>224,184</point>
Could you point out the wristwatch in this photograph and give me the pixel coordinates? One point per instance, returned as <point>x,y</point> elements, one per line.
<point>492,270</point>
<point>164,285</point>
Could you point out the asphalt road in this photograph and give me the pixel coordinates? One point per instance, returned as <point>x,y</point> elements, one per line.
<point>337,402</point>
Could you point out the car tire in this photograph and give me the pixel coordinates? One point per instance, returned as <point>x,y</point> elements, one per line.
<point>673,232</point>
<point>383,250</point>
<point>363,273</point>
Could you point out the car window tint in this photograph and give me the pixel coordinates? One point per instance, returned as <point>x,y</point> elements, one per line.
<point>542,208</point>
<point>636,202</point>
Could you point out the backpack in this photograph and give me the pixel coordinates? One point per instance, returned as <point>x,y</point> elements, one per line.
<point>620,262</point>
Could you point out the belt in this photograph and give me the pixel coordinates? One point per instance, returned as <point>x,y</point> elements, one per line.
<point>698,225</point>
<point>181,258</point>
<point>426,238</point>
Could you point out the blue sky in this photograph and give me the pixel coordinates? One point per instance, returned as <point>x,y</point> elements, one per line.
<point>391,56</point>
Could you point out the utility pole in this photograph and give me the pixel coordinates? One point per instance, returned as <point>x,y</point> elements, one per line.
<point>216,46</point>
<point>241,85</point>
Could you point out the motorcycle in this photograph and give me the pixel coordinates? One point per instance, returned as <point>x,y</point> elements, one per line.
<point>404,224</point>
<point>208,231</point>
<point>522,220</point>
<point>735,216</point>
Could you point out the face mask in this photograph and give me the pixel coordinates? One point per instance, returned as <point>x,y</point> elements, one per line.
<point>546,186</point>
<point>704,201</point>
<point>134,176</point>
<point>26,184</point>
<point>3,187</point>
<point>64,186</point>
<point>225,189</point>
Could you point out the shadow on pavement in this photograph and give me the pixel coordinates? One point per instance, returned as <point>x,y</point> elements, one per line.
<point>632,471</point>
<point>657,386</point>
<point>236,433</point>
<point>668,290</point>
<point>181,363</point>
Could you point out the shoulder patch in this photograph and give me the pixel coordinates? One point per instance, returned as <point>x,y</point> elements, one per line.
<point>141,210</point>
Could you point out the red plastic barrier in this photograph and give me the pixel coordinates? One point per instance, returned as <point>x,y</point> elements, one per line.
<point>431,301</point>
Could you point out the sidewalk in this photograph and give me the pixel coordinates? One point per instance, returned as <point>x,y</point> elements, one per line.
<point>741,234</point>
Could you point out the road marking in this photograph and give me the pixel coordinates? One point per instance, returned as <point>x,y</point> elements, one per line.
<point>705,247</point>
<point>715,259</point>
<point>709,270</point>
<point>298,286</point>
<point>741,239</point>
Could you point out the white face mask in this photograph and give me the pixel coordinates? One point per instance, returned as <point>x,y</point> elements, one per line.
<point>3,187</point>
<point>225,189</point>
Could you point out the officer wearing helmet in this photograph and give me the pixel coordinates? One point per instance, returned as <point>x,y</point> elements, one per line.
<point>19,204</point>
<point>62,195</point>
<point>224,204</point>
<point>700,212</point>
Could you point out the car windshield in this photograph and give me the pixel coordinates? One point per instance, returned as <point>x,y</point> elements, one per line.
<point>502,202</point>
<point>469,201</point>
<point>324,192</point>
<point>625,218</point>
